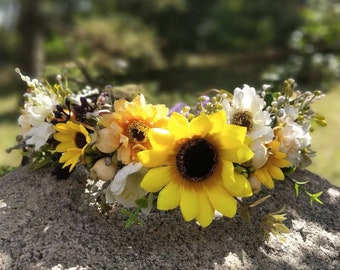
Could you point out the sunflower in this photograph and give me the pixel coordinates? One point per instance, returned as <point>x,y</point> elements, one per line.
<point>126,129</point>
<point>272,169</point>
<point>192,166</point>
<point>73,138</point>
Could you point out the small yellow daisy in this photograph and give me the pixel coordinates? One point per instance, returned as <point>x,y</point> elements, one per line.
<point>272,169</point>
<point>73,138</point>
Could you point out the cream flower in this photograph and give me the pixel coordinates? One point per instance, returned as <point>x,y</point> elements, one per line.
<point>293,139</point>
<point>103,169</point>
<point>125,187</point>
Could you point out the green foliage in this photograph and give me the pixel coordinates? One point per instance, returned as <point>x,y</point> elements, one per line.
<point>133,216</point>
<point>315,44</point>
<point>250,25</point>
<point>298,185</point>
<point>5,169</point>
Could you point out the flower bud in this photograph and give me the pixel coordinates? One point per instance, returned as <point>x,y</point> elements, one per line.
<point>255,184</point>
<point>103,170</point>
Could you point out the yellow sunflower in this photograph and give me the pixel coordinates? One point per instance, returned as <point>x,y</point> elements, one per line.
<point>73,138</point>
<point>192,166</point>
<point>272,169</point>
<point>127,128</point>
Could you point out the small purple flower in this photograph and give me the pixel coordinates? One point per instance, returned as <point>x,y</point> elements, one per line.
<point>178,107</point>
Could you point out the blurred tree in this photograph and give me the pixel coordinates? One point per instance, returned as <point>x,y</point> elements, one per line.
<point>314,46</point>
<point>31,32</point>
<point>243,25</point>
<point>141,38</point>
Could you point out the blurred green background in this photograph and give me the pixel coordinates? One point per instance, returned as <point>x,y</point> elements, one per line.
<point>176,49</point>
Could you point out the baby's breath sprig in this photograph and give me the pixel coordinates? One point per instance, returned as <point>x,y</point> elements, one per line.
<point>210,103</point>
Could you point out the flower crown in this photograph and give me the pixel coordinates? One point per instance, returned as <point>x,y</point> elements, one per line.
<point>204,159</point>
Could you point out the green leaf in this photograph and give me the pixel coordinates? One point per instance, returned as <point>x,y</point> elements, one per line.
<point>259,201</point>
<point>268,98</point>
<point>296,188</point>
<point>142,202</point>
<point>315,197</point>
<point>132,217</point>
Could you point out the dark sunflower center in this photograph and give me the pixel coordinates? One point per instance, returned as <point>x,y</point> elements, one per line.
<point>243,119</point>
<point>80,140</point>
<point>196,160</point>
<point>137,131</point>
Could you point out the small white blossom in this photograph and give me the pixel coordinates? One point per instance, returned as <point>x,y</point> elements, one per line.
<point>37,113</point>
<point>260,154</point>
<point>125,187</point>
<point>293,138</point>
<point>38,135</point>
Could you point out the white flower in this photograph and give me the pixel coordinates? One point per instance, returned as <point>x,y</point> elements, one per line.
<point>24,124</point>
<point>40,107</point>
<point>246,109</point>
<point>290,114</point>
<point>37,113</point>
<point>260,153</point>
<point>293,138</point>
<point>38,135</point>
<point>125,187</point>
<point>40,101</point>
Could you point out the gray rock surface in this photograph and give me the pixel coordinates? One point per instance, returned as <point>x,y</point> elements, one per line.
<point>45,224</point>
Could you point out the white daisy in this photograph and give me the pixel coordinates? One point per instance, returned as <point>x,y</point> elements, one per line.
<point>246,109</point>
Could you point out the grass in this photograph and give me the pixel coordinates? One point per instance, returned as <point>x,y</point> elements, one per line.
<point>8,131</point>
<point>325,139</point>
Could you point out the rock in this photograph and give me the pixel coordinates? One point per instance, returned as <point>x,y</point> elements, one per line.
<point>45,224</point>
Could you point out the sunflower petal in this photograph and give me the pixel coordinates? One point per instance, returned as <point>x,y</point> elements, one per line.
<point>242,187</point>
<point>234,131</point>
<point>227,173</point>
<point>65,146</point>
<point>62,137</point>
<point>221,200</point>
<point>189,203</point>
<point>219,119</point>
<point>156,178</point>
<point>160,139</point>
<point>239,155</point>
<point>206,212</point>
<point>201,125</point>
<point>169,196</point>
<point>179,125</point>
<point>154,158</point>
